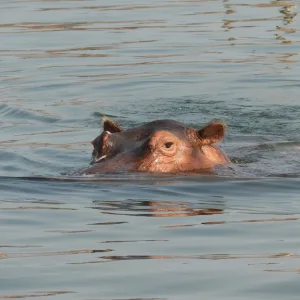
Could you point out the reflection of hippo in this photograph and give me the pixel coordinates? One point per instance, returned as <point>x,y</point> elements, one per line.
<point>158,146</point>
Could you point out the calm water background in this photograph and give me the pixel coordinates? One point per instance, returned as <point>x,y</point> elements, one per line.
<point>65,63</point>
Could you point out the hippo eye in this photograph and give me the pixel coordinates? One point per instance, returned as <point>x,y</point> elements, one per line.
<point>168,145</point>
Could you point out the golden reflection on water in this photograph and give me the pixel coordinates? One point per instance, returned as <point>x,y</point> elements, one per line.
<point>287,16</point>
<point>154,209</point>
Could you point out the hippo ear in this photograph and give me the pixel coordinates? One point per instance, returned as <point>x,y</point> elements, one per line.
<point>111,126</point>
<point>212,133</point>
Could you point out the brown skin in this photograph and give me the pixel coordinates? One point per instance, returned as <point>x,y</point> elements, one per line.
<point>158,146</point>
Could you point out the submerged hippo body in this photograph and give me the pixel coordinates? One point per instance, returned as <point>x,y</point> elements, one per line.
<point>158,146</point>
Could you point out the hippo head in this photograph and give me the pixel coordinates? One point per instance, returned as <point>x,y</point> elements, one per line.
<point>158,146</point>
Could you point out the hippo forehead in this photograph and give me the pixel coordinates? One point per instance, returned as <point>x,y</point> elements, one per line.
<point>145,131</point>
<point>129,139</point>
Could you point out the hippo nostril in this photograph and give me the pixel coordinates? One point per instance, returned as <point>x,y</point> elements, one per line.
<point>168,145</point>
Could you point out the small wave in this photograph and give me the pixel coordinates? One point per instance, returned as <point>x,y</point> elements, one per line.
<point>8,113</point>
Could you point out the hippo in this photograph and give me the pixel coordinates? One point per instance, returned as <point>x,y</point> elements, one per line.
<point>158,146</point>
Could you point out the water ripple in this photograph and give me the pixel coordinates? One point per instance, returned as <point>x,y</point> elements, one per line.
<point>64,64</point>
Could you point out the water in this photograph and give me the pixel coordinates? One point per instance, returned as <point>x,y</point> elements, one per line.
<point>63,64</point>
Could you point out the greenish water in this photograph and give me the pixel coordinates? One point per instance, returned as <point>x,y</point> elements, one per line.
<point>125,236</point>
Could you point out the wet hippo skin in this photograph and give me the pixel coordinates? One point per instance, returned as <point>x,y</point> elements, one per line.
<point>157,146</point>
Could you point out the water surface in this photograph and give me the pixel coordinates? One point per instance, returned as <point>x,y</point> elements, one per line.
<point>64,64</point>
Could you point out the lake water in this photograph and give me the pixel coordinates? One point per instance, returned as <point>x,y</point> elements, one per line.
<point>65,63</point>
